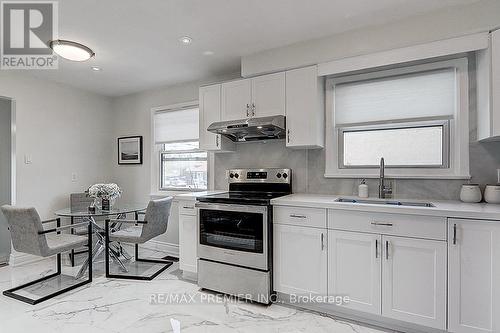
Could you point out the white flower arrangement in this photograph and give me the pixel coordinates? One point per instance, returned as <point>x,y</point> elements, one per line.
<point>105,191</point>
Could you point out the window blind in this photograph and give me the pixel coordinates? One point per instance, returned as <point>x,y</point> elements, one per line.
<point>408,96</point>
<point>176,125</point>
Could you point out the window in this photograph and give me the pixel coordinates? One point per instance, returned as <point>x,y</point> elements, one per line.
<point>416,118</point>
<point>182,165</point>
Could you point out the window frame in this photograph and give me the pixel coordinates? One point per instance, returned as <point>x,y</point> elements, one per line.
<point>457,130</point>
<point>444,123</point>
<point>162,151</point>
<point>155,166</point>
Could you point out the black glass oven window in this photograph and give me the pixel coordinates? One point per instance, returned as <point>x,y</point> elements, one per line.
<point>241,231</point>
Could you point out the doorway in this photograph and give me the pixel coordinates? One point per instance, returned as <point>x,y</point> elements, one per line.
<point>7,170</point>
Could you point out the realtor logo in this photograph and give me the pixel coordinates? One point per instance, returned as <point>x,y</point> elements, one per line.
<point>26,29</point>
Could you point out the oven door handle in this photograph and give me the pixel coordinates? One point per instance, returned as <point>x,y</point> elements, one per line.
<point>231,207</point>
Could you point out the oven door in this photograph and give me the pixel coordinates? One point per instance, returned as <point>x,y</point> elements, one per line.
<point>233,234</point>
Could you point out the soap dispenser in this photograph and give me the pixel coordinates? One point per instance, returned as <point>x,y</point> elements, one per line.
<point>363,189</point>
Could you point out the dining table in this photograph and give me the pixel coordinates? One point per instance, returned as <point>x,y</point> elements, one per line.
<point>118,212</point>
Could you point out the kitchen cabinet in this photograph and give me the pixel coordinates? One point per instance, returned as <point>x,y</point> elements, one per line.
<point>305,110</point>
<point>354,269</point>
<point>414,281</point>
<point>300,260</point>
<point>188,236</point>
<point>488,89</point>
<point>473,276</point>
<point>268,95</point>
<point>236,99</point>
<point>256,97</point>
<point>210,112</point>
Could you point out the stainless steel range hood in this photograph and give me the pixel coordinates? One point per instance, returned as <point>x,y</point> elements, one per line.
<point>252,129</point>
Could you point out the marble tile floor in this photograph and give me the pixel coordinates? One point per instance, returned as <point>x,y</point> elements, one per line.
<point>111,305</point>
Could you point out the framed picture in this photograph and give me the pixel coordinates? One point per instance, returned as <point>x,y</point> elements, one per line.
<point>130,150</point>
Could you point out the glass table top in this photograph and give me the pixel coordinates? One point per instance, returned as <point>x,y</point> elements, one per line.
<point>119,209</point>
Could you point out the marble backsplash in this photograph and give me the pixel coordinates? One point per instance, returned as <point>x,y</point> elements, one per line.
<point>309,167</point>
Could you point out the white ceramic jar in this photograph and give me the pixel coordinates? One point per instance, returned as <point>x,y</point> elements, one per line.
<point>470,193</point>
<point>492,194</point>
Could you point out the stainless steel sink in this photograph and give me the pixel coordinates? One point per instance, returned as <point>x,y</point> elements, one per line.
<point>385,202</point>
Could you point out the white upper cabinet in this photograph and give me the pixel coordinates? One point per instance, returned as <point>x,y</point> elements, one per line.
<point>354,269</point>
<point>488,90</point>
<point>300,260</point>
<point>268,95</point>
<point>236,99</point>
<point>210,112</point>
<point>473,276</point>
<point>305,111</point>
<point>414,281</point>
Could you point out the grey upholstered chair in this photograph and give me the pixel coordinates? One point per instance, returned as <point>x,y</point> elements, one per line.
<point>29,236</point>
<point>155,223</point>
<point>78,202</point>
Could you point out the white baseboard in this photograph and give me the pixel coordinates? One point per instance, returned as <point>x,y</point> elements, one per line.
<point>167,248</point>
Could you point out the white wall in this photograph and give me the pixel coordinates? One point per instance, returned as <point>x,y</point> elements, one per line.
<point>65,130</point>
<point>447,23</point>
<point>5,174</point>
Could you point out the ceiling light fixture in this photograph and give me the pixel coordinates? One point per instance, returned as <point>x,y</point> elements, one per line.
<point>96,68</point>
<point>186,40</point>
<point>71,50</point>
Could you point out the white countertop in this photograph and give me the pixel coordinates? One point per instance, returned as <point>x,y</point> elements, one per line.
<point>447,208</point>
<point>194,195</point>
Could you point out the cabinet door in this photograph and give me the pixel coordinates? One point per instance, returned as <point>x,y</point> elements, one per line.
<point>495,83</point>
<point>304,108</point>
<point>268,95</point>
<point>354,269</point>
<point>188,241</point>
<point>300,260</point>
<point>210,112</point>
<point>236,96</point>
<point>473,276</point>
<point>414,281</point>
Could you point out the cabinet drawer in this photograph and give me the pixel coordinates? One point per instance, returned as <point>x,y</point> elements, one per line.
<point>430,227</point>
<point>187,208</point>
<point>306,217</point>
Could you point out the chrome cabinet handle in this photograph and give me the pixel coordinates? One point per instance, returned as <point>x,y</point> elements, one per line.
<point>248,110</point>
<point>387,250</point>
<point>383,224</point>
<point>253,109</point>
<point>376,248</point>
<point>187,207</point>
<point>298,216</point>
<point>217,141</point>
<point>454,234</point>
<point>322,241</point>
<point>288,136</point>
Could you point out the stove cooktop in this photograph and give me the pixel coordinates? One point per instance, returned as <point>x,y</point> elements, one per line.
<point>242,197</point>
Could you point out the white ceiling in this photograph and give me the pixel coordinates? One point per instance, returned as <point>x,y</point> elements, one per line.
<point>137,47</point>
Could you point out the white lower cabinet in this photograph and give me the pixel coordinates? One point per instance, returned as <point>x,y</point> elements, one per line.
<point>300,260</point>
<point>474,276</point>
<point>414,281</point>
<point>354,269</point>
<point>188,237</point>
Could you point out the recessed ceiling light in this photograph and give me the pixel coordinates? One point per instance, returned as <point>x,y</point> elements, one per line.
<point>186,40</point>
<point>208,53</point>
<point>96,68</point>
<point>71,50</point>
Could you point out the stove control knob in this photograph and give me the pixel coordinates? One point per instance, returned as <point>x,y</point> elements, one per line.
<point>236,176</point>
<point>278,175</point>
<point>231,175</point>
<point>285,175</point>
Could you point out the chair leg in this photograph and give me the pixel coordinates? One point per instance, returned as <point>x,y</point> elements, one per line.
<point>11,292</point>
<point>72,255</point>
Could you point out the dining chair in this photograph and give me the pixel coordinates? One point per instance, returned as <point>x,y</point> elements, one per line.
<point>78,202</point>
<point>155,223</point>
<point>29,236</point>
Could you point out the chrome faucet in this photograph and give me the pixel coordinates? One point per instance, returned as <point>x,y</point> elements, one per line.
<point>383,190</point>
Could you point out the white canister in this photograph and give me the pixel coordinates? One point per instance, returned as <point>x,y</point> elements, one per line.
<point>363,189</point>
<point>470,193</point>
<point>492,194</point>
